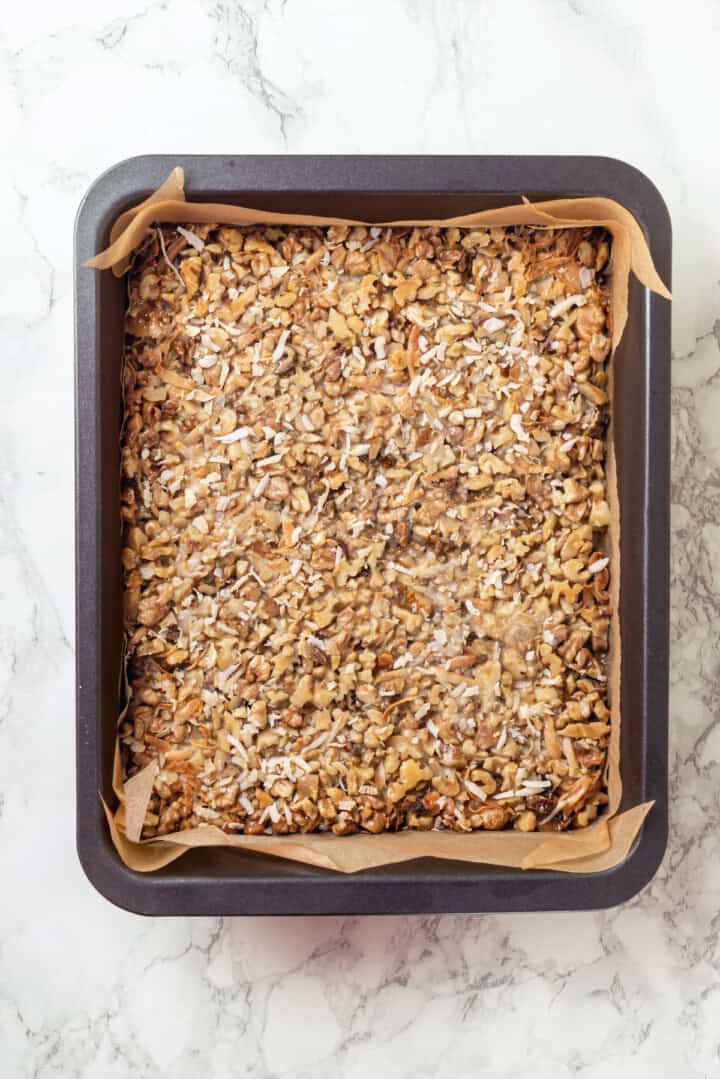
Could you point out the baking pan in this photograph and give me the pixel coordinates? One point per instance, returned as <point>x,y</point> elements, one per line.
<point>220,881</point>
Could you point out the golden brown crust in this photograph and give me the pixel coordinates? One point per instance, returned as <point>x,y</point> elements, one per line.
<point>364,511</point>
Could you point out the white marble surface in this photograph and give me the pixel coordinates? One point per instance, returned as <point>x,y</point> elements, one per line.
<point>89,991</point>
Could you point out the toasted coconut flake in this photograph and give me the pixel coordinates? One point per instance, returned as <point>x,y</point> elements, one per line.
<point>492,325</point>
<point>476,791</point>
<point>235,436</point>
<point>599,565</point>
<point>563,306</point>
<point>192,238</point>
<point>279,350</point>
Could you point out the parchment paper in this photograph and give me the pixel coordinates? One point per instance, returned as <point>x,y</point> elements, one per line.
<point>604,843</point>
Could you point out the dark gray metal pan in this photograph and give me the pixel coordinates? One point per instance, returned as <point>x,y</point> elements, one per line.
<point>217,881</point>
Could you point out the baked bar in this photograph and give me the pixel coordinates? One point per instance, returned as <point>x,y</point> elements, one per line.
<point>365,514</point>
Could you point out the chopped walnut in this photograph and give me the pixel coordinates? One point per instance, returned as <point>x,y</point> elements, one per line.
<point>365,516</point>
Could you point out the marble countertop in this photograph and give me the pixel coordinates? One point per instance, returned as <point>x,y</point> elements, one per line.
<point>87,990</point>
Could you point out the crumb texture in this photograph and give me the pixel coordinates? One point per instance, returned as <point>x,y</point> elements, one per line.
<point>365,514</point>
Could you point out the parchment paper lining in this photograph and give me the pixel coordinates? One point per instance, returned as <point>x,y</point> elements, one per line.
<point>607,841</point>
